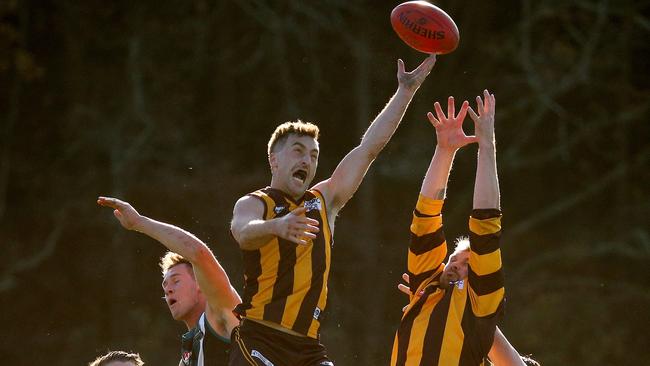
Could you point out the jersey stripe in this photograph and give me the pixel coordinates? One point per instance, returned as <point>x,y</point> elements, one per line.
<point>291,278</point>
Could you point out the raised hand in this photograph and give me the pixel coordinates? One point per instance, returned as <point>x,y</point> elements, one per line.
<point>297,227</point>
<point>484,120</point>
<point>449,128</point>
<point>124,212</point>
<point>412,80</point>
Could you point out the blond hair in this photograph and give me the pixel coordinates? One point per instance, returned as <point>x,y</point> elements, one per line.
<point>171,259</point>
<point>461,245</point>
<point>117,356</point>
<point>282,132</point>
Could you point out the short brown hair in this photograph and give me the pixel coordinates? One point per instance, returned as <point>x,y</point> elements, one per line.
<point>117,356</point>
<point>171,259</point>
<point>283,131</point>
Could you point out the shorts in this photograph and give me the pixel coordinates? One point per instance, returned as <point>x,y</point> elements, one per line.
<point>254,344</point>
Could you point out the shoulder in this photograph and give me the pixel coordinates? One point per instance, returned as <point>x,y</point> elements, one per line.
<point>251,202</point>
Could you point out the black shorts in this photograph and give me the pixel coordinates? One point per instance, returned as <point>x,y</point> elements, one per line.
<point>254,344</point>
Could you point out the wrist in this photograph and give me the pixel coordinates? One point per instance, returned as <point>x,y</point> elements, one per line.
<point>487,145</point>
<point>446,150</point>
<point>140,224</point>
<point>406,91</point>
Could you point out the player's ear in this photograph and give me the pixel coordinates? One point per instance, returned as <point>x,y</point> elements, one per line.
<point>273,162</point>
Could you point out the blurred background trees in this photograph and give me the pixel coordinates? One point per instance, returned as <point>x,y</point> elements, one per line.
<point>169,106</point>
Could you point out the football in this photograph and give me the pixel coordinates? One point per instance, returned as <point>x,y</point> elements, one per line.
<point>425,27</point>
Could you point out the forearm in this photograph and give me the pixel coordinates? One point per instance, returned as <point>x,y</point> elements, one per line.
<point>256,233</point>
<point>435,181</point>
<point>502,352</point>
<point>486,187</point>
<point>427,247</point>
<point>174,238</point>
<point>386,122</point>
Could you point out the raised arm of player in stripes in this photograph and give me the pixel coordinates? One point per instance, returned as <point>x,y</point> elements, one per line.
<point>485,277</point>
<point>428,247</point>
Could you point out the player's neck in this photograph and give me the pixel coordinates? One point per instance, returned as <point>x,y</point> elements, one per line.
<point>192,319</point>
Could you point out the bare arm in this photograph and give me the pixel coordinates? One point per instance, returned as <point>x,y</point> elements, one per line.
<point>503,353</point>
<point>486,187</point>
<point>450,137</point>
<point>427,248</point>
<point>347,176</point>
<point>252,231</point>
<point>211,277</point>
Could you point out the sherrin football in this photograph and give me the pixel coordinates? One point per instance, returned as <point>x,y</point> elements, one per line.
<point>425,27</point>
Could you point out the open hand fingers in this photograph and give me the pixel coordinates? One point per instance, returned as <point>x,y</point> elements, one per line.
<point>111,202</point>
<point>433,120</point>
<point>426,65</point>
<point>400,66</point>
<point>463,111</point>
<point>406,278</point>
<point>439,113</point>
<point>451,108</point>
<point>403,288</point>
<point>472,114</point>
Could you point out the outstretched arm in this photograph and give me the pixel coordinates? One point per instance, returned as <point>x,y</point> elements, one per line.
<point>347,176</point>
<point>211,277</point>
<point>485,276</point>
<point>486,186</point>
<point>428,247</point>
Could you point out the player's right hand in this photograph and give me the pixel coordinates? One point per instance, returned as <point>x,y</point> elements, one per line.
<point>124,212</point>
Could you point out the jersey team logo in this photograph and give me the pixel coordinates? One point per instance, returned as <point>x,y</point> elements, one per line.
<point>279,209</point>
<point>187,355</point>
<point>313,204</point>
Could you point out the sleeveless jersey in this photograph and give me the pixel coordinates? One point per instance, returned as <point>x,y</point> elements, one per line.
<point>286,283</point>
<point>202,346</point>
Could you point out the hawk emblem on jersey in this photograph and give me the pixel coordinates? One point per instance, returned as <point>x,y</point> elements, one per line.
<point>279,209</point>
<point>313,204</point>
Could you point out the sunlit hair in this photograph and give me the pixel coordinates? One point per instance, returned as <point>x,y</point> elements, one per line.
<point>120,356</point>
<point>282,132</point>
<point>461,244</point>
<point>171,259</point>
<point>529,361</point>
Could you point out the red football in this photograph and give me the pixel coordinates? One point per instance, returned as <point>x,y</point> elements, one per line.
<point>425,27</point>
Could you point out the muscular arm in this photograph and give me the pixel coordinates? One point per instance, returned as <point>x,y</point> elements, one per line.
<point>347,176</point>
<point>252,231</point>
<point>211,277</point>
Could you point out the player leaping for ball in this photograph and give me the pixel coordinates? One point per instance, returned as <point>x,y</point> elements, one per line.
<point>285,232</point>
<point>453,309</point>
<point>197,289</point>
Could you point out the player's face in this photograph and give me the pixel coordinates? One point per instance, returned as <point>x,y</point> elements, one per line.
<point>456,268</point>
<point>294,165</point>
<point>182,293</point>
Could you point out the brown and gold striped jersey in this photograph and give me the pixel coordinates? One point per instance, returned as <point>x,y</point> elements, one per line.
<point>453,326</point>
<point>286,283</point>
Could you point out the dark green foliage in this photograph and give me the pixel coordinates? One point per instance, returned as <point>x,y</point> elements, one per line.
<point>169,105</point>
